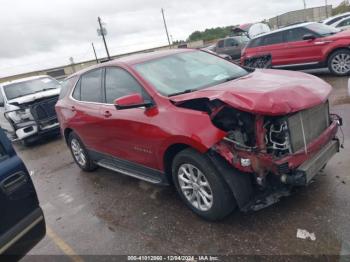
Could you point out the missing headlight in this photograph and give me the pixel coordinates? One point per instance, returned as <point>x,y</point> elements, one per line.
<point>277,137</point>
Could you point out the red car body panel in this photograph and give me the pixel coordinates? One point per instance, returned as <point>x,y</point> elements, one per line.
<point>300,52</point>
<point>144,135</point>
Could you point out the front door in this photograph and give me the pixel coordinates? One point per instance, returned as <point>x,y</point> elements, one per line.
<point>127,134</point>
<point>301,51</point>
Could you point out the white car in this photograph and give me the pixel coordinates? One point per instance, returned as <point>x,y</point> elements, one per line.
<point>27,107</point>
<point>342,24</point>
<point>332,20</point>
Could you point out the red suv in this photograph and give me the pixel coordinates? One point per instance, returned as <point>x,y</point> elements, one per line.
<point>301,46</point>
<point>224,136</point>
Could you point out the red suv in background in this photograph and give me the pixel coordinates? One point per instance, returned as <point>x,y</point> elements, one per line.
<point>301,46</point>
<point>223,135</point>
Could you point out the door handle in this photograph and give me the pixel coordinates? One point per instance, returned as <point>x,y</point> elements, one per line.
<point>107,114</point>
<point>13,182</point>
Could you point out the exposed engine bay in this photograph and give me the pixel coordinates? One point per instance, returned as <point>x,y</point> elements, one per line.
<point>239,125</point>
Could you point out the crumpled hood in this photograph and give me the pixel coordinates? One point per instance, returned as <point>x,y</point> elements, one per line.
<point>267,92</point>
<point>32,97</point>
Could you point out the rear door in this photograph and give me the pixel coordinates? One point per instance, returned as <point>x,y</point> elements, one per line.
<point>89,97</point>
<point>21,219</point>
<point>302,51</point>
<point>274,45</point>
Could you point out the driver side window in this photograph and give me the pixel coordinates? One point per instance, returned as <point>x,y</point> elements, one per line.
<point>119,83</point>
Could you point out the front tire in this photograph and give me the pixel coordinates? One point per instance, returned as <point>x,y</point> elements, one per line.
<point>339,63</point>
<point>200,185</point>
<point>80,154</point>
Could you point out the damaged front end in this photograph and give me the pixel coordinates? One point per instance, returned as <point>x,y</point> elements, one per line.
<point>262,157</point>
<point>32,119</point>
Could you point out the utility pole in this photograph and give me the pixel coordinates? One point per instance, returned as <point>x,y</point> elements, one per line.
<point>166,28</point>
<point>93,48</point>
<point>304,4</point>
<point>326,5</point>
<point>102,31</point>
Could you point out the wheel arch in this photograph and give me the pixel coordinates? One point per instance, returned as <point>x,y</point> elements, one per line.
<point>66,133</point>
<point>331,52</point>
<point>169,155</point>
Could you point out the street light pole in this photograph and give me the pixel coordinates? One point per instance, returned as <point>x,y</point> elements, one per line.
<point>304,4</point>
<point>166,28</point>
<point>103,30</point>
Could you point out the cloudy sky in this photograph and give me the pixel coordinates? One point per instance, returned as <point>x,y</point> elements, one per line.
<point>37,34</point>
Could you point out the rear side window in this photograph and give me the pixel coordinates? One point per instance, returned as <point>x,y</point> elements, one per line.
<point>91,86</point>
<point>221,44</point>
<point>272,39</point>
<point>120,83</point>
<point>76,93</point>
<point>67,85</point>
<point>295,34</point>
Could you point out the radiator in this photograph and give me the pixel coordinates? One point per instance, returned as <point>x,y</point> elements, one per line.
<point>307,125</point>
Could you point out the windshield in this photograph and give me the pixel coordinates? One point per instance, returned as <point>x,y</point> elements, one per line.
<point>15,90</point>
<point>186,72</point>
<point>322,29</point>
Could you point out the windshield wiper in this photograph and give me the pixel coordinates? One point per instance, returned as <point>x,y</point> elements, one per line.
<point>183,92</point>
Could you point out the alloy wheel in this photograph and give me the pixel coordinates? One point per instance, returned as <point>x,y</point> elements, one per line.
<point>341,63</point>
<point>78,152</point>
<point>195,187</point>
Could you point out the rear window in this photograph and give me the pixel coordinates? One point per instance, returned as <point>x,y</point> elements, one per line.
<point>221,44</point>
<point>67,85</point>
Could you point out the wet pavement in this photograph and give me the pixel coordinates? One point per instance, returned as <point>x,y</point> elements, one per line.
<point>108,213</point>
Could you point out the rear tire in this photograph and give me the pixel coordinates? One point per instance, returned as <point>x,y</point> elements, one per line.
<point>201,186</point>
<point>80,154</point>
<point>339,62</point>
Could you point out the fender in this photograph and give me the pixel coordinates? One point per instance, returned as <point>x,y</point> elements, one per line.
<point>239,183</point>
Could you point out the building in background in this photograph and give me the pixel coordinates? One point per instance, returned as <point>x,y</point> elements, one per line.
<point>314,14</point>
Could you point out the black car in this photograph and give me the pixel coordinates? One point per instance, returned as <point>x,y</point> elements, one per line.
<point>22,223</point>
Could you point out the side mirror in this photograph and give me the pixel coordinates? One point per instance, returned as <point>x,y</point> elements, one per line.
<point>131,101</point>
<point>309,37</point>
